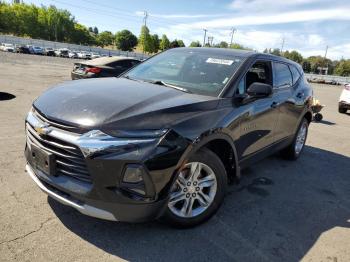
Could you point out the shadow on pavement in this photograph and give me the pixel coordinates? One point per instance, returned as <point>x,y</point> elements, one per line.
<point>277,213</point>
<point>6,96</point>
<point>325,122</point>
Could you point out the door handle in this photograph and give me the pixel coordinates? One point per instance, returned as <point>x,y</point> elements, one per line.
<point>274,104</point>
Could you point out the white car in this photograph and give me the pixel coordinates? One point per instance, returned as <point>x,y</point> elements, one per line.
<point>95,55</point>
<point>84,55</point>
<point>7,47</point>
<point>344,100</point>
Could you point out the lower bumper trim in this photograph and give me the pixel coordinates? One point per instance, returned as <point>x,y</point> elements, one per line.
<point>84,209</point>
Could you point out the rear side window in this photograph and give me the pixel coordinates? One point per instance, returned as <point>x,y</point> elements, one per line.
<point>283,76</point>
<point>295,74</point>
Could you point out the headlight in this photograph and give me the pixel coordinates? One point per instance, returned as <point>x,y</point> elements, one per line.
<point>148,133</point>
<point>96,141</point>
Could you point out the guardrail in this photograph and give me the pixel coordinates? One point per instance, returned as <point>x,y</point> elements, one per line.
<point>57,45</point>
<point>328,78</point>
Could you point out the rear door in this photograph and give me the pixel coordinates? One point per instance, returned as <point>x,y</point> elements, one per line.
<point>287,100</point>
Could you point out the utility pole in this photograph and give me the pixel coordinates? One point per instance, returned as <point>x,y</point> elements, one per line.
<point>324,60</point>
<point>283,39</point>
<point>210,40</point>
<point>145,16</point>
<point>205,34</point>
<point>233,30</point>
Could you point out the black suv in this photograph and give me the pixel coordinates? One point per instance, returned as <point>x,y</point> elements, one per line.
<point>165,138</point>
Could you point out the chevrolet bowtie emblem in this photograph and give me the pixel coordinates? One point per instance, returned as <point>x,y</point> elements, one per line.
<point>42,129</point>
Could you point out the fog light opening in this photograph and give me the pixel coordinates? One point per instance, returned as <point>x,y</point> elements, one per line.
<point>133,174</point>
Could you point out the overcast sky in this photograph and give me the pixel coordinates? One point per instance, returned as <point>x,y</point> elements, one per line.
<point>306,25</point>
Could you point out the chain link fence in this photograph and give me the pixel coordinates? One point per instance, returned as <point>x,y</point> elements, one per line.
<point>328,79</point>
<point>15,40</point>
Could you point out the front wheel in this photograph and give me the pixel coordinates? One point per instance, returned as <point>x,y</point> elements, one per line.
<point>294,150</point>
<point>198,191</point>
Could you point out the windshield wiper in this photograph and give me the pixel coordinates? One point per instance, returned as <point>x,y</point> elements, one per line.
<point>162,83</point>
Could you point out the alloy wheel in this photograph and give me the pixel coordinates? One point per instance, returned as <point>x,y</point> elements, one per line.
<point>301,137</point>
<point>194,190</point>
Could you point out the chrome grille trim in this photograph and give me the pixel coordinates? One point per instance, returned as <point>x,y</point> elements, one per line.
<point>70,160</point>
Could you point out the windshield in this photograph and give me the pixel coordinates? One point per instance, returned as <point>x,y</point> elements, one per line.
<point>191,70</point>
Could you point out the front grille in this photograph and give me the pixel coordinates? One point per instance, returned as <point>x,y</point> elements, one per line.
<point>69,158</point>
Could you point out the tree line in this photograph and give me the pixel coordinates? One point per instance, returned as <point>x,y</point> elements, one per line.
<point>315,64</point>
<point>51,23</point>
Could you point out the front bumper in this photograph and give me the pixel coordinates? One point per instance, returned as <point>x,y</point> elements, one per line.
<point>103,193</point>
<point>81,207</point>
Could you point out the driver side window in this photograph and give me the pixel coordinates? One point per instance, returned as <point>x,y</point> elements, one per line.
<point>259,72</point>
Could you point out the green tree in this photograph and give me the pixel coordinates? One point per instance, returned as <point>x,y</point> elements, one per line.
<point>343,68</point>
<point>105,38</point>
<point>155,43</point>
<point>306,66</point>
<point>145,40</point>
<point>223,44</point>
<point>195,44</point>
<point>180,43</point>
<point>294,56</point>
<point>125,40</point>
<point>174,44</point>
<point>95,30</point>
<point>275,51</point>
<point>239,46</point>
<point>164,43</point>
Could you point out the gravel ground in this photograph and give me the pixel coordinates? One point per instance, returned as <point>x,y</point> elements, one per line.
<point>281,211</point>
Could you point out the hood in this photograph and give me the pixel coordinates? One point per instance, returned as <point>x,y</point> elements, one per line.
<point>119,103</point>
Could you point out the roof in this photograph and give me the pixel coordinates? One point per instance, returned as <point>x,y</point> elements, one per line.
<point>218,51</point>
<point>106,60</point>
<point>236,52</point>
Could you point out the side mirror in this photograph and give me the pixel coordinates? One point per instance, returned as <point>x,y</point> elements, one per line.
<point>259,90</point>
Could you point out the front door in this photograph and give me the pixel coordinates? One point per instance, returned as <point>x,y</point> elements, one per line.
<point>259,117</point>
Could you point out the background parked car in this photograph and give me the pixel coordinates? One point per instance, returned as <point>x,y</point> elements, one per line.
<point>23,49</point>
<point>7,47</point>
<point>37,50</point>
<point>344,100</point>
<point>62,52</point>
<point>49,51</point>
<point>72,54</point>
<point>95,55</point>
<point>103,67</point>
<point>84,55</point>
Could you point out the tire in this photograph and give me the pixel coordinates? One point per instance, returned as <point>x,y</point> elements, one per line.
<point>342,110</point>
<point>292,152</point>
<point>318,117</point>
<point>203,160</point>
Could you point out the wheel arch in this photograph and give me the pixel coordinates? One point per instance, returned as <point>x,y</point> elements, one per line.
<point>223,146</point>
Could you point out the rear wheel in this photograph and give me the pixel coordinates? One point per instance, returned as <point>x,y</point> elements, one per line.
<point>198,191</point>
<point>342,110</point>
<point>294,150</point>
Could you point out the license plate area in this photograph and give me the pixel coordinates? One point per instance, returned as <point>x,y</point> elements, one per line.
<point>42,160</point>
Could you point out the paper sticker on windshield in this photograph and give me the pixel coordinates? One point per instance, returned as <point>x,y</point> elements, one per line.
<point>219,61</point>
